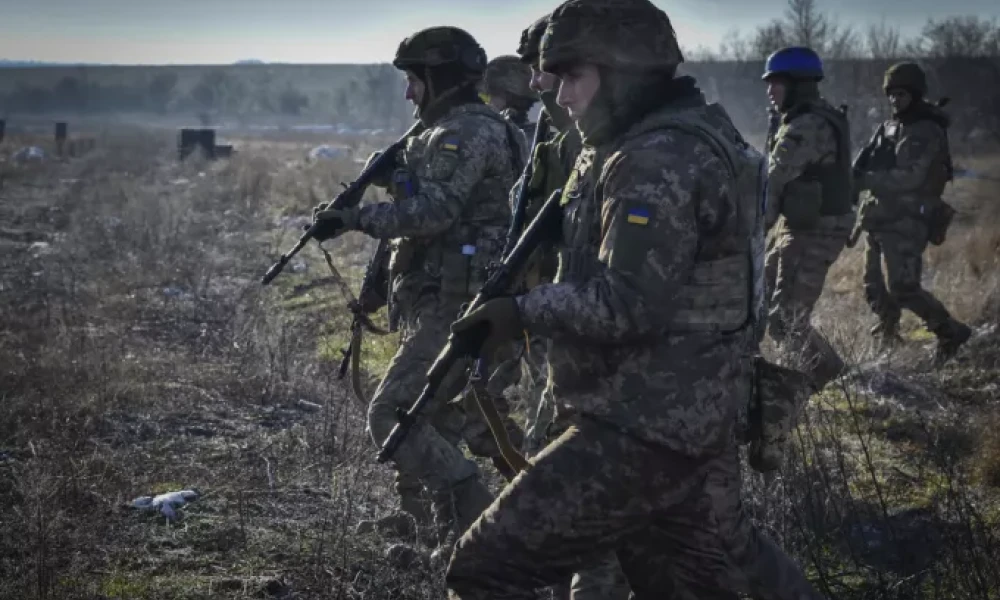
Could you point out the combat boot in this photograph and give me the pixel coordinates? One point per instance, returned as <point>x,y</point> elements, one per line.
<point>886,334</point>
<point>414,501</point>
<point>454,511</point>
<point>403,524</point>
<point>950,339</point>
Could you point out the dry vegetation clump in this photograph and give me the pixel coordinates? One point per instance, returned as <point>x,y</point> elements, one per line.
<point>890,489</point>
<point>139,354</point>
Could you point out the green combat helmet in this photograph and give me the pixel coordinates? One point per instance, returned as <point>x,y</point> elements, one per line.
<point>508,77</point>
<point>906,75</point>
<point>531,41</point>
<point>439,46</point>
<point>630,35</point>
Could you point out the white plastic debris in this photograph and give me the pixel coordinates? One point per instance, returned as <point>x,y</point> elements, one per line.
<point>167,504</point>
<point>38,249</point>
<point>326,152</point>
<point>29,153</point>
<point>309,406</point>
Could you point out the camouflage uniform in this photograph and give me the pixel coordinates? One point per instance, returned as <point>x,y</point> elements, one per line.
<point>809,185</point>
<point>649,318</point>
<point>447,223</point>
<point>910,166</point>
<point>506,80</point>
<point>552,162</point>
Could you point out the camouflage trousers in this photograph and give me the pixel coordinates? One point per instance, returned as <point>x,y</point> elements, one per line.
<point>796,268</point>
<point>902,250</point>
<point>675,523</point>
<point>429,456</point>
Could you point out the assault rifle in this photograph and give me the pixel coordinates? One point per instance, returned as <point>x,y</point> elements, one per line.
<point>862,161</point>
<point>520,207</point>
<point>501,281</point>
<point>350,196</point>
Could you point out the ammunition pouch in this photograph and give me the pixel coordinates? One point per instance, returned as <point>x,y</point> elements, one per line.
<point>778,396</point>
<point>938,221</point>
<point>466,259</point>
<point>801,204</point>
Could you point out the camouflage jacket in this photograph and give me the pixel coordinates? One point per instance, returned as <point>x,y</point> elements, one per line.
<point>639,215</point>
<point>804,145</point>
<point>906,190</point>
<point>520,119</point>
<point>552,162</point>
<point>449,217</point>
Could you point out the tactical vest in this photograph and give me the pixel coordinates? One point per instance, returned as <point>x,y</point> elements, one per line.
<point>834,178</point>
<point>709,301</point>
<point>461,256</point>
<point>940,171</point>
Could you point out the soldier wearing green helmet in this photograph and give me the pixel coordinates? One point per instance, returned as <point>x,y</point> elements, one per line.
<point>506,87</point>
<point>905,167</point>
<point>652,318</point>
<point>447,223</point>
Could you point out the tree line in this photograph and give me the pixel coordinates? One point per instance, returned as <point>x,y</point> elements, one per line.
<point>805,24</point>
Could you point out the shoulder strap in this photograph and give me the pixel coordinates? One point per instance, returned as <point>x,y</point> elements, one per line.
<point>517,159</point>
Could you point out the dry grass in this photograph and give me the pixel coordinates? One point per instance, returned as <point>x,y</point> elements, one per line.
<point>139,354</point>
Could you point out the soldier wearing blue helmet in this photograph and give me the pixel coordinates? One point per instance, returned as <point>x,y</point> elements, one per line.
<point>809,198</point>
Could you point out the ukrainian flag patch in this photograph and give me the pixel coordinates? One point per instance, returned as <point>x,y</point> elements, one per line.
<point>450,144</point>
<point>638,216</point>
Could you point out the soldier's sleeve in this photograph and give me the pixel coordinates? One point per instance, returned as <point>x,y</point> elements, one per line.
<point>915,153</point>
<point>653,205</point>
<point>804,141</point>
<point>458,159</point>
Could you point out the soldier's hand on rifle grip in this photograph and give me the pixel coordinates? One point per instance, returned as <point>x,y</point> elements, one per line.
<point>329,223</point>
<point>490,326</point>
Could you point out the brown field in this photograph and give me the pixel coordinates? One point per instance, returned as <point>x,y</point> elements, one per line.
<point>139,354</point>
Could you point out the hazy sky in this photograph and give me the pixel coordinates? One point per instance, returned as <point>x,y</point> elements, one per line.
<point>337,31</point>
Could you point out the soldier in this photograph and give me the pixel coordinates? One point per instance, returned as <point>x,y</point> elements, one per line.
<point>809,186</point>
<point>447,222</point>
<point>909,165</point>
<point>506,88</point>
<point>552,162</point>
<point>652,319</point>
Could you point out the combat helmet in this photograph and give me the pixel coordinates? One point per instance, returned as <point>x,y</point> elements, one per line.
<point>439,46</point>
<point>906,75</point>
<point>531,41</point>
<point>798,63</point>
<point>508,76</point>
<point>626,35</point>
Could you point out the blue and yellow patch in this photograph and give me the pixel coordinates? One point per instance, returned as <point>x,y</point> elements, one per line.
<point>638,216</point>
<point>450,144</point>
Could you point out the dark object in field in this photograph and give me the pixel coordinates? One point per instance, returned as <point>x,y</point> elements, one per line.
<point>189,139</point>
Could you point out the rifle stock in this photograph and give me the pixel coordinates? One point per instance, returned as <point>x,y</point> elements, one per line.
<point>350,196</point>
<point>500,282</point>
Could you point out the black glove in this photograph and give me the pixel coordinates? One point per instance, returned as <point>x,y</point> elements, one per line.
<point>487,328</point>
<point>329,223</point>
